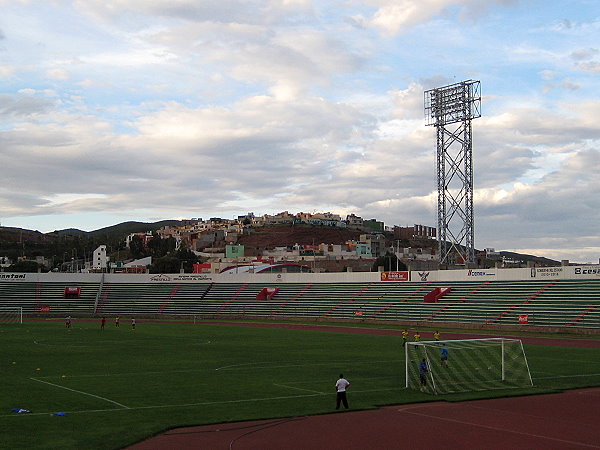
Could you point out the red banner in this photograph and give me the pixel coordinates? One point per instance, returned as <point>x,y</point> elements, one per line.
<point>358,313</point>
<point>44,309</point>
<point>394,276</point>
<point>72,292</point>
<point>523,318</point>
<point>200,268</point>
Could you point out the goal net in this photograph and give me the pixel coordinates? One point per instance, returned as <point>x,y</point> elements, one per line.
<point>11,314</point>
<point>469,365</point>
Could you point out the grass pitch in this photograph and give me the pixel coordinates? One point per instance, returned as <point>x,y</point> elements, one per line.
<point>119,386</point>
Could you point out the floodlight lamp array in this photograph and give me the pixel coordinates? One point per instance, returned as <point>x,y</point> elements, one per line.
<point>453,103</point>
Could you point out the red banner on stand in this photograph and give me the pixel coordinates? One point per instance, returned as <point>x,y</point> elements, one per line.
<point>523,318</point>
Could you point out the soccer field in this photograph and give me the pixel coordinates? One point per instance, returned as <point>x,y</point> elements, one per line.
<point>119,385</point>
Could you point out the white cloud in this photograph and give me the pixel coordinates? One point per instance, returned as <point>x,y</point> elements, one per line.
<point>224,11</point>
<point>57,74</point>
<point>397,16</point>
<point>7,71</point>
<point>181,108</point>
<point>22,106</point>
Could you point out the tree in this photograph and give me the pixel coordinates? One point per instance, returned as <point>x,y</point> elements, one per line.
<point>166,264</point>
<point>136,247</point>
<point>24,266</point>
<point>187,259</point>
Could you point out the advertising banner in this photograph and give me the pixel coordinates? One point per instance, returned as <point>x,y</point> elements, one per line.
<point>523,319</point>
<point>395,276</point>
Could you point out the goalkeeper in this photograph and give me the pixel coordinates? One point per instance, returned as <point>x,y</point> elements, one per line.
<point>423,374</point>
<point>444,355</point>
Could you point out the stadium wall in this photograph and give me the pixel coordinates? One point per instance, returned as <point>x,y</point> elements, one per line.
<point>538,273</point>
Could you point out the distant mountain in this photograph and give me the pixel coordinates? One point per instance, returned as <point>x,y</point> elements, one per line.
<point>18,242</point>
<point>68,232</point>
<point>121,229</point>
<point>18,235</point>
<point>535,259</point>
<point>126,228</point>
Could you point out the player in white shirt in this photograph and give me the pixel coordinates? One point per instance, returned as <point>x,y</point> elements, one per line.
<point>341,385</point>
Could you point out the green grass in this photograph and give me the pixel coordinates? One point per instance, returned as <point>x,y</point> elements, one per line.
<point>120,386</point>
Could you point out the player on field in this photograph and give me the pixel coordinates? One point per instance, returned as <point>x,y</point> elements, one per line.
<point>133,323</point>
<point>436,336</point>
<point>102,323</point>
<point>341,385</point>
<point>404,337</point>
<point>417,336</point>
<point>117,321</point>
<point>444,355</point>
<point>423,374</point>
<point>68,322</point>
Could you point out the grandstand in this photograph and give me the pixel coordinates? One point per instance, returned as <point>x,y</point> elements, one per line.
<point>568,298</point>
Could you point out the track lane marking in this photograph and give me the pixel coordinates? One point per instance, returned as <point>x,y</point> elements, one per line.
<point>464,422</point>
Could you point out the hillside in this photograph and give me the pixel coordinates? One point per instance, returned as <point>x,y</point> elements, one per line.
<point>10,235</point>
<point>120,230</point>
<point>286,235</point>
<point>534,259</point>
<point>16,242</point>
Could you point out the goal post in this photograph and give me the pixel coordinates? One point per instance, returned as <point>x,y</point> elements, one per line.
<point>11,314</point>
<point>470,365</point>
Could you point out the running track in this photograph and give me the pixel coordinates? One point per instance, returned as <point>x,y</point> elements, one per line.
<point>567,420</point>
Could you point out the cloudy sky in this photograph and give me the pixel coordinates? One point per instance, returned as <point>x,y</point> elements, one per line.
<point>115,110</point>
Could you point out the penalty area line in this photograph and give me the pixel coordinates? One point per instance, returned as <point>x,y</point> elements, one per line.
<point>80,392</point>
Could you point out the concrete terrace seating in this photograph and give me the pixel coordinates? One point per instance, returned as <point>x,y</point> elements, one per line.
<point>48,298</point>
<point>318,300</point>
<point>547,302</point>
<point>151,299</point>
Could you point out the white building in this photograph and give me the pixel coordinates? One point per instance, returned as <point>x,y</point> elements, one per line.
<point>99,258</point>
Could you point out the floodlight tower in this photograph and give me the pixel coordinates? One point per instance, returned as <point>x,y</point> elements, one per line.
<point>450,109</point>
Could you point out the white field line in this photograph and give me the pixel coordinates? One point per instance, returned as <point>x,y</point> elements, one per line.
<point>184,405</point>
<point>235,366</point>
<point>507,430</point>
<point>585,361</point>
<point>297,388</point>
<point>122,374</point>
<point>567,376</point>
<point>250,366</point>
<point>245,366</point>
<point>80,392</point>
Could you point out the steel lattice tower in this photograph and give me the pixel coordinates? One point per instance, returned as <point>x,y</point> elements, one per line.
<point>450,109</point>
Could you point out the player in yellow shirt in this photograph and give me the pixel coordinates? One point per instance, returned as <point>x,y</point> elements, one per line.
<point>436,335</point>
<point>417,336</point>
<point>404,337</point>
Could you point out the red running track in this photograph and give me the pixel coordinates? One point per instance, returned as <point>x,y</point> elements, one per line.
<point>568,420</point>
